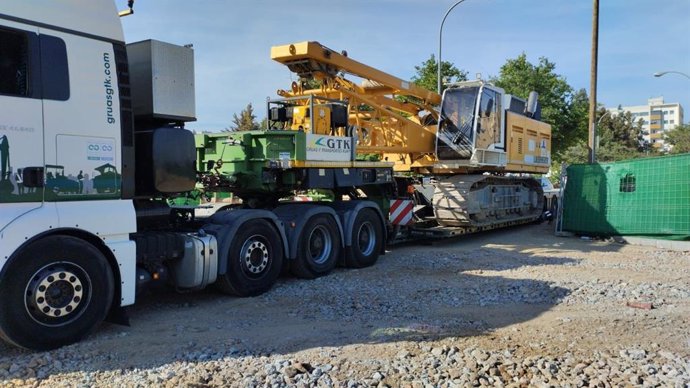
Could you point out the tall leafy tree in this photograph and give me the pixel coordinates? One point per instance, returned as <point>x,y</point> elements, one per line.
<point>426,74</point>
<point>620,138</point>
<point>561,106</point>
<point>679,137</point>
<point>246,121</point>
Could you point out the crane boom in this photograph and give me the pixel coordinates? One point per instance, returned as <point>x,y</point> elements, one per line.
<point>309,59</point>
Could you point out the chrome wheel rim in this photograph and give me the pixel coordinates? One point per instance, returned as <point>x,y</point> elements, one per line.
<point>57,294</point>
<point>255,255</point>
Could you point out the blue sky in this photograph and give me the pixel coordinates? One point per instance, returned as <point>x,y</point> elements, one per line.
<point>232,41</point>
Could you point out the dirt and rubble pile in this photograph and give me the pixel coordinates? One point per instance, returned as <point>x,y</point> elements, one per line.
<point>510,308</point>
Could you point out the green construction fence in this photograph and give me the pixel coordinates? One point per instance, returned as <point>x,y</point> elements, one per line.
<point>648,197</point>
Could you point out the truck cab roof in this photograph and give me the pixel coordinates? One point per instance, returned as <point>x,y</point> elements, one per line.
<point>96,18</point>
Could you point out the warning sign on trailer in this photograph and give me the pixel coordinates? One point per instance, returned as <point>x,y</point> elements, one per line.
<point>401,212</point>
<point>329,148</point>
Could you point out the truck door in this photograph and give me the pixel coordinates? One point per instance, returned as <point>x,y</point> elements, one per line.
<point>21,118</point>
<point>81,116</point>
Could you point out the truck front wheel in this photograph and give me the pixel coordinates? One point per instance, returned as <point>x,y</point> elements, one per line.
<point>54,293</point>
<point>255,260</point>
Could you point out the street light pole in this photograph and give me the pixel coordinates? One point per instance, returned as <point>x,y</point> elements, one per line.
<point>440,38</point>
<point>662,73</point>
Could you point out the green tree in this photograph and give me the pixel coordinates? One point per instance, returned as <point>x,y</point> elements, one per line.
<point>561,106</point>
<point>246,121</point>
<point>426,74</point>
<point>311,83</point>
<point>264,123</point>
<point>620,138</point>
<point>679,137</point>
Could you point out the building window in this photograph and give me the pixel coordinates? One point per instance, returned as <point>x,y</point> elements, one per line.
<point>665,112</point>
<point>665,121</point>
<point>672,122</point>
<point>671,112</point>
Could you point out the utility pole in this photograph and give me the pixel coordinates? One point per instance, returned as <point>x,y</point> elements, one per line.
<point>593,82</point>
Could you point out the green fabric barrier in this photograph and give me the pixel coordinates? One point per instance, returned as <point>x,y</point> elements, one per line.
<point>648,197</point>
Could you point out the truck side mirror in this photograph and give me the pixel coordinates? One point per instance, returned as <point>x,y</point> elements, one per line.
<point>33,177</point>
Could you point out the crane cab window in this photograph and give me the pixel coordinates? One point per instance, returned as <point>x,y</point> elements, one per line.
<point>489,106</point>
<point>489,123</point>
<point>14,63</point>
<point>455,137</point>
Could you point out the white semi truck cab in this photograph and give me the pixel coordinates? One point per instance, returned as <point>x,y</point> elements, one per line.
<point>66,256</point>
<point>69,199</point>
<point>92,148</point>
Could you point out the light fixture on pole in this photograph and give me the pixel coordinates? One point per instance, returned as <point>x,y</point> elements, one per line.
<point>440,38</point>
<point>662,73</point>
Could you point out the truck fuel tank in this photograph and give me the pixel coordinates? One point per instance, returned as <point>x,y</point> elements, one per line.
<point>199,265</point>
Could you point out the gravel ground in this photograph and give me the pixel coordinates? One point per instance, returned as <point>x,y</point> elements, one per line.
<point>517,307</point>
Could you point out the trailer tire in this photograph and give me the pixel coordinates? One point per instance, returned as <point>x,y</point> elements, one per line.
<point>54,292</point>
<point>255,260</point>
<point>367,240</point>
<point>318,248</point>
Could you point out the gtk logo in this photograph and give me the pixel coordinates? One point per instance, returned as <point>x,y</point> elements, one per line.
<point>332,143</point>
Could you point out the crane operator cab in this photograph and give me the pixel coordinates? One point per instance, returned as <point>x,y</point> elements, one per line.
<point>473,123</point>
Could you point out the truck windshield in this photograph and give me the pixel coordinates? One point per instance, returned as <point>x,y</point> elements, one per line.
<point>455,137</point>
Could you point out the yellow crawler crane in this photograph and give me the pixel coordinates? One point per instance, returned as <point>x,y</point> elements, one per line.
<point>456,155</point>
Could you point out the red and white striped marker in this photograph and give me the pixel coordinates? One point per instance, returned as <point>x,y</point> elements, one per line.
<point>401,211</point>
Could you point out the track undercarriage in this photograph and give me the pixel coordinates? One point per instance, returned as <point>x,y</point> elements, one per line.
<point>483,200</point>
<point>461,204</point>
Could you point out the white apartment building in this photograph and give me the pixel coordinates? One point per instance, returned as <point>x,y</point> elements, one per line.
<point>657,118</point>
